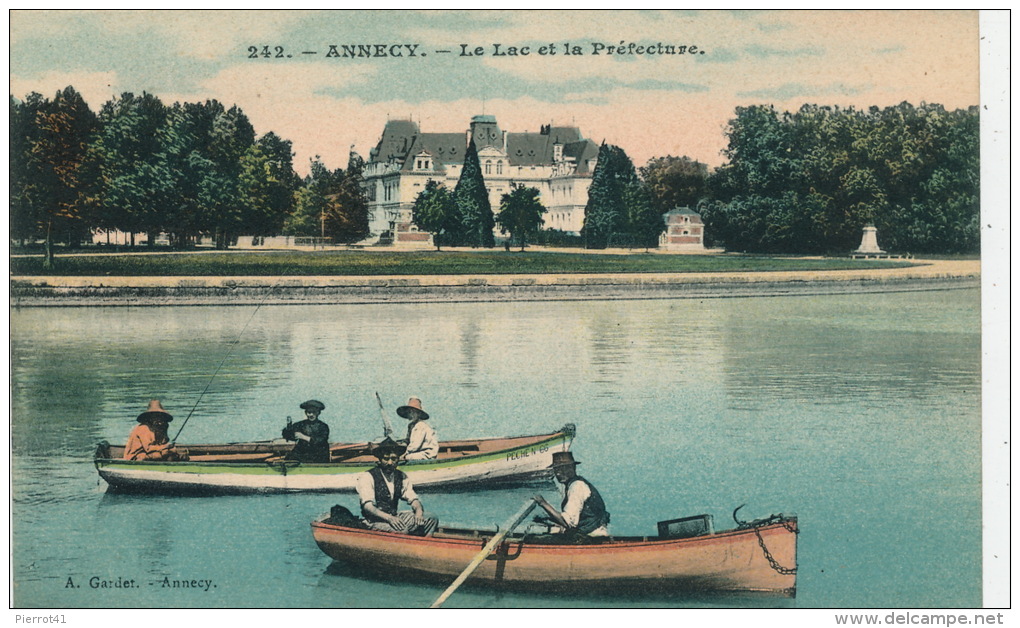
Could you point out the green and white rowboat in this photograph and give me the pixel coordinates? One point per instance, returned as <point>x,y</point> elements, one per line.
<point>261,467</point>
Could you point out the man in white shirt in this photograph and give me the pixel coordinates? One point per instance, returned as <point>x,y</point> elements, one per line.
<point>382,488</point>
<point>422,443</point>
<point>583,510</point>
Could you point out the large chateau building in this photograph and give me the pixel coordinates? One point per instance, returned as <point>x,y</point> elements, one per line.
<point>556,160</point>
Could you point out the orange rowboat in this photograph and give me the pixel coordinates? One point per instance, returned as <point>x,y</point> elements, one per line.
<point>760,557</point>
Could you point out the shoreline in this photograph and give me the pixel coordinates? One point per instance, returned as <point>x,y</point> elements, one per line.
<point>57,291</point>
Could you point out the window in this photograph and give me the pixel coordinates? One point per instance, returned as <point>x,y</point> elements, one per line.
<point>499,167</point>
<point>488,166</point>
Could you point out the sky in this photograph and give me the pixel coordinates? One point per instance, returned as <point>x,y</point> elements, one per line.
<point>649,104</point>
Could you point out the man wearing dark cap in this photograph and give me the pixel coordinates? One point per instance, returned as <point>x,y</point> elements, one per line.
<point>149,440</point>
<point>583,510</point>
<point>382,488</point>
<point>312,435</point>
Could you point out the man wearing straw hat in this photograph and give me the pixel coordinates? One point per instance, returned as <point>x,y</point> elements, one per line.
<point>381,490</point>
<point>148,440</point>
<point>583,510</point>
<point>422,443</point>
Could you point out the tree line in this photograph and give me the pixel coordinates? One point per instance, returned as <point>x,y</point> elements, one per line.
<point>809,181</point>
<point>185,170</point>
<point>803,182</point>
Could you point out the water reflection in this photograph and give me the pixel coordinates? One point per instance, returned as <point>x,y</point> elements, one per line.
<point>809,355</point>
<point>470,343</point>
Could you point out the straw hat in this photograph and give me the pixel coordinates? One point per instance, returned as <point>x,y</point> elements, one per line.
<point>155,410</point>
<point>413,410</point>
<point>313,404</point>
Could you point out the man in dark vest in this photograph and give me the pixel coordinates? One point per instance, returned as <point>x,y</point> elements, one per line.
<point>583,512</point>
<point>381,489</point>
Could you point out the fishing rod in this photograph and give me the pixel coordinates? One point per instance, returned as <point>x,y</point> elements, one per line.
<point>230,350</point>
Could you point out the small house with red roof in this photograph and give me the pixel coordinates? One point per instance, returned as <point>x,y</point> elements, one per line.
<point>684,230</point>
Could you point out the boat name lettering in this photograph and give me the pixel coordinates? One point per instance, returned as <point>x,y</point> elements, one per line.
<point>517,455</point>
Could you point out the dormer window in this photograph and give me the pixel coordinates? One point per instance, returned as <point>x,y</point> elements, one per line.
<point>423,161</point>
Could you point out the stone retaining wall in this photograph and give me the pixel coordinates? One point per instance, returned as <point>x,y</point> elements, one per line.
<point>74,292</point>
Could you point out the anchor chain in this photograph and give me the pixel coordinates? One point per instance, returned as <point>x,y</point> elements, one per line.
<point>757,524</point>
<point>786,571</point>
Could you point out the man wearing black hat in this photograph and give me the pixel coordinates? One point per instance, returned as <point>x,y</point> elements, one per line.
<point>381,489</point>
<point>312,435</point>
<point>583,510</point>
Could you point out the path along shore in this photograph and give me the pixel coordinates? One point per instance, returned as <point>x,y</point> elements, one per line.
<point>161,291</point>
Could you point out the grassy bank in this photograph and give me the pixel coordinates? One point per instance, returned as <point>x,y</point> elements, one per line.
<point>296,263</point>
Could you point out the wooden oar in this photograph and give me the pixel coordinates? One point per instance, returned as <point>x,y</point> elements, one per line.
<point>552,512</point>
<point>508,527</point>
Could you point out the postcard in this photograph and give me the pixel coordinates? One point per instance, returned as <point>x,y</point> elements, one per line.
<point>643,309</point>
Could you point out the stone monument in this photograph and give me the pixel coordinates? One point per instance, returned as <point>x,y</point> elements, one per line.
<point>869,242</point>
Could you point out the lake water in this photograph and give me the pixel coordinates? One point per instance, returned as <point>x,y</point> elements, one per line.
<point>858,413</point>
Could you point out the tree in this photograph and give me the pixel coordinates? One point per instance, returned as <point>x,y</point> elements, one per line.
<point>231,136</point>
<point>267,185</point>
<point>644,220</point>
<point>129,155</point>
<point>65,127</point>
<point>435,211</point>
<point>187,132</point>
<point>473,202</point>
<point>606,212</point>
<point>25,199</point>
<point>675,182</point>
<point>311,201</point>
<point>347,218</point>
<point>807,182</point>
<point>520,213</point>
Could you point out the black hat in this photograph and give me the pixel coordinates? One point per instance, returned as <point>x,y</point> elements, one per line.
<point>155,411</point>
<point>313,404</point>
<point>388,445</point>
<point>562,459</point>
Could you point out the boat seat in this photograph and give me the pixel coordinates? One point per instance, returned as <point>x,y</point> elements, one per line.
<point>462,449</point>
<point>230,457</point>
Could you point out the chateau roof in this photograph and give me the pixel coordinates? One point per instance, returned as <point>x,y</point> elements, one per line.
<point>402,139</point>
<point>445,148</point>
<point>396,140</point>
